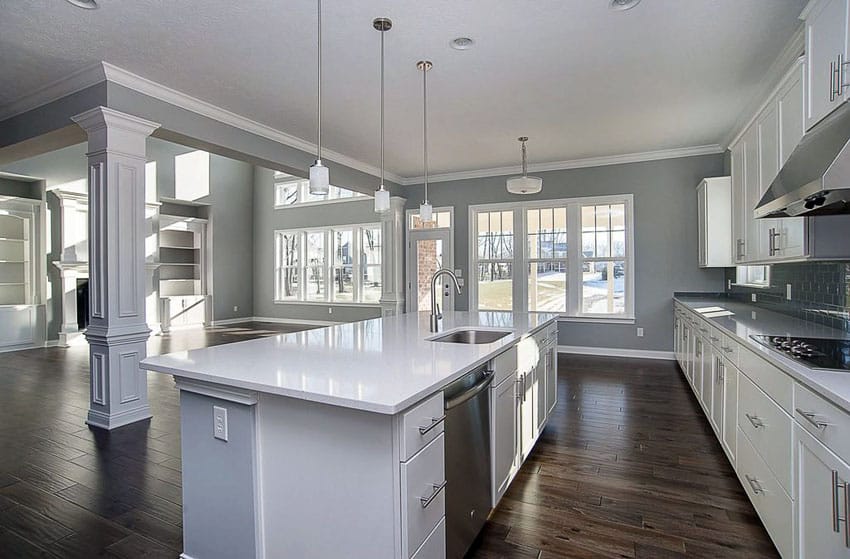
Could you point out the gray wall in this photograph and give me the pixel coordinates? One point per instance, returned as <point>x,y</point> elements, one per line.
<point>231,200</point>
<point>267,219</point>
<point>665,216</point>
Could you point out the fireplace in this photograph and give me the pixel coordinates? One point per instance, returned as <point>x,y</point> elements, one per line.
<point>82,303</point>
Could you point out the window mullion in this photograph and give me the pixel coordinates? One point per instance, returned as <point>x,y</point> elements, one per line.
<point>574,260</point>
<point>520,264</point>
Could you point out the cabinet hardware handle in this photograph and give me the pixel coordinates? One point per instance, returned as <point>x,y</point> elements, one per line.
<point>703,330</point>
<point>831,82</point>
<point>846,514</point>
<point>836,515</point>
<point>755,420</point>
<point>434,422</point>
<point>726,349</point>
<point>739,249</point>
<point>770,241</point>
<point>810,417</point>
<point>713,339</point>
<point>754,484</point>
<point>437,488</point>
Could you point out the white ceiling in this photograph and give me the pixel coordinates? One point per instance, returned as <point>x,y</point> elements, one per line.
<point>579,79</point>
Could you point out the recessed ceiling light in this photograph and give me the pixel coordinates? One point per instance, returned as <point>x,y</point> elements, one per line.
<point>622,5</point>
<point>462,43</point>
<point>84,4</point>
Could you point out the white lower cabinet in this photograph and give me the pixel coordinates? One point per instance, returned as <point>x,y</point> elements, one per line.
<point>551,377</point>
<point>528,412</point>
<point>434,547</point>
<point>822,500</point>
<point>503,420</point>
<point>423,497</point>
<point>789,446</point>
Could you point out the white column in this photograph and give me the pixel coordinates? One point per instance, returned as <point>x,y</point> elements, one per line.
<point>392,258</point>
<point>117,330</point>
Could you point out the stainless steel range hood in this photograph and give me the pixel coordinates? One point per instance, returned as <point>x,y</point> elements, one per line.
<point>816,178</point>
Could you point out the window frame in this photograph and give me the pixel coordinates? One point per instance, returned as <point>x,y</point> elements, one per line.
<point>329,266</point>
<point>747,273</point>
<point>302,193</point>
<point>522,260</point>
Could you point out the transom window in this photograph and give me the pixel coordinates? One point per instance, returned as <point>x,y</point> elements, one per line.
<point>576,257</point>
<point>335,264</point>
<point>290,190</point>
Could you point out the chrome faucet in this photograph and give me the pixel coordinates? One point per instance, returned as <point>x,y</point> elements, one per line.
<point>436,315</point>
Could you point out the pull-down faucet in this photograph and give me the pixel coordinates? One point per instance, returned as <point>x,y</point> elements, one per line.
<point>436,315</point>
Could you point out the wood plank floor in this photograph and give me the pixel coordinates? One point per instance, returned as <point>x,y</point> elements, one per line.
<point>628,467</point>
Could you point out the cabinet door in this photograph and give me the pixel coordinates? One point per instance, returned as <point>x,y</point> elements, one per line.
<point>702,205</point>
<point>528,419</point>
<point>699,351</point>
<point>792,119</point>
<point>504,436</point>
<point>739,204</point>
<point>821,498</point>
<point>826,40</point>
<point>718,399</point>
<point>730,408</point>
<point>768,138</point>
<point>752,189</point>
<point>540,393</point>
<point>707,391</point>
<point>551,379</point>
<point>791,241</point>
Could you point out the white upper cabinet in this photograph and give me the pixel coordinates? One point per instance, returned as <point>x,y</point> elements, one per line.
<point>791,107</point>
<point>752,192</point>
<point>740,217</point>
<point>714,200</point>
<point>826,57</point>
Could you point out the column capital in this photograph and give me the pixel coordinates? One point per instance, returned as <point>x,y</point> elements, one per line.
<point>114,131</point>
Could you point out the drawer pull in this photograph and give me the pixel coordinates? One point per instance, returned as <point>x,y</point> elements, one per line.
<point>713,339</point>
<point>727,349</point>
<point>836,515</point>
<point>704,330</point>
<point>437,488</point>
<point>755,485</point>
<point>434,422</point>
<point>755,420</point>
<point>846,514</point>
<point>810,417</point>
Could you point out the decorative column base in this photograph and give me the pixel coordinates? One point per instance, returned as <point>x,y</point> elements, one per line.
<point>118,386</point>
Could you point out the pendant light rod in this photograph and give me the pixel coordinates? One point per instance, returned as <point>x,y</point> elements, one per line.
<point>319,88</point>
<point>383,25</point>
<point>524,139</point>
<point>425,65</point>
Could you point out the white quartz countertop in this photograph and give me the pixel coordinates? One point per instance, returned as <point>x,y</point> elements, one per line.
<point>382,365</point>
<point>749,320</point>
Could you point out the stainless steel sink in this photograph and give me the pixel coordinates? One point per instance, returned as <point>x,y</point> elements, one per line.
<point>471,336</point>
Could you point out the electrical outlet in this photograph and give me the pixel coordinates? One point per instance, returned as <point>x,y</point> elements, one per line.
<point>728,284</point>
<point>753,315</point>
<point>330,310</point>
<point>235,308</point>
<point>753,297</point>
<point>788,291</point>
<point>458,272</point>
<point>640,332</point>
<point>220,423</point>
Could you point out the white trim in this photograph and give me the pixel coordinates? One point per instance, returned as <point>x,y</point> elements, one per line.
<point>326,303</point>
<point>615,352</point>
<point>777,73</point>
<point>295,321</point>
<point>228,321</point>
<point>298,205</point>
<point>220,391</point>
<point>637,157</point>
<point>57,89</point>
<point>415,211</point>
<point>619,319</point>
<point>150,88</point>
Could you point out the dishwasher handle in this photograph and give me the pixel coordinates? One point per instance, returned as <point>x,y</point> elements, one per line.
<point>472,392</point>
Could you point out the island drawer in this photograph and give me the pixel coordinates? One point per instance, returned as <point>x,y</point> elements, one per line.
<point>421,424</point>
<point>824,420</point>
<point>729,347</point>
<point>423,494</point>
<point>774,507</point>
<point>768,429</point>
<point>504,365</point>
<point>771,380</point>
<point>435,546</point>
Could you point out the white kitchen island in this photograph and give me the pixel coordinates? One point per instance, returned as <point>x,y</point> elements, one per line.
<point>330,442</point>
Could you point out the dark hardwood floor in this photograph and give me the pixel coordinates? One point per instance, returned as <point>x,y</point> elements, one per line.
<point>627,467</point>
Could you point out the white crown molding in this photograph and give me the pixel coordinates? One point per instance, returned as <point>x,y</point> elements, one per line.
<point>775,76</point>
<point>601,161</point>
<point>72,83</point>
<point>150,88</point>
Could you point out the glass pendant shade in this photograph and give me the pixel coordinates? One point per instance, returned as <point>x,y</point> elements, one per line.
<point>319,179</point>
<point>426,211</point>
<point>525,185</point>
<point>382,200</point>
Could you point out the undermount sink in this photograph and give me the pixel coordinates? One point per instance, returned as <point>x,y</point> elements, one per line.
<point>472,336</point>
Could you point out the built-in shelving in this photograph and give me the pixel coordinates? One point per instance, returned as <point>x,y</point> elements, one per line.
<point>183,286</point>
<point>15,260</point>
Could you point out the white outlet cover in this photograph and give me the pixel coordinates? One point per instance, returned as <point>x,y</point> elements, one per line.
<point>220,423</point>
<point>330,310</point>
<point>788,291</point>
<point>640,332</point>
<point>458,272</point>
<point>753,297</point>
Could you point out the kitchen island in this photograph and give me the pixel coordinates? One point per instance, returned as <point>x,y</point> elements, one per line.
<point>330,442</point>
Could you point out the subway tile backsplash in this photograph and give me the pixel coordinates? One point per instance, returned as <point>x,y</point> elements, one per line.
<point>820,292</point>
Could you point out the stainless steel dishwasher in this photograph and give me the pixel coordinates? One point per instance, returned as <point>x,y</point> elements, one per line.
<point>467,428</point>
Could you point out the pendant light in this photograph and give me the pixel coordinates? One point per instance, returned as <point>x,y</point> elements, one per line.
<point>524,184</point>
<point>426,211</point>
<point>319,176</point>
<point>382,195</point>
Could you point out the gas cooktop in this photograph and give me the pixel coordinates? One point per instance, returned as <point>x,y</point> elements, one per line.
<point>818,353</point>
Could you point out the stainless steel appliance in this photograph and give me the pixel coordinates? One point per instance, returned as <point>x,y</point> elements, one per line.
<point>816,178</point>
<point>817,353</point>
<point>467,428</point>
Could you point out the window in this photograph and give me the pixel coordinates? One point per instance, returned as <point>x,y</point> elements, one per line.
<point>753,276</point>
<point>290,190</point>
<point>441,219</point>
<point>336,264</point>
<point>576,257</point>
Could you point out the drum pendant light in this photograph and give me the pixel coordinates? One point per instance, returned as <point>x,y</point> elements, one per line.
<point>382,195</point>
<point>319,176</point>
<point>426,211</point>
<point>524,184</point>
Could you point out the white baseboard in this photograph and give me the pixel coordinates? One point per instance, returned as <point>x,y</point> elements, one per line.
<point>295,321</point>
<point>617,352</point>
<point>228,321</point>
